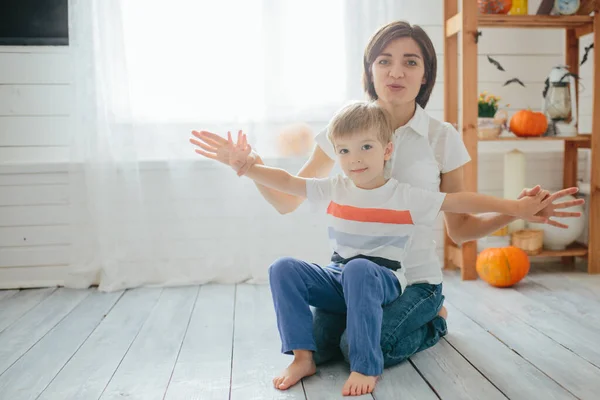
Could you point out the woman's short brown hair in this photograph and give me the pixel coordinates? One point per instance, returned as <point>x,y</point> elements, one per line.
<point>384,36</point>
<point>361,117</point>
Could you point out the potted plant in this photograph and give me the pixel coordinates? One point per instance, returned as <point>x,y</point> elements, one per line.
<point>490,121</point>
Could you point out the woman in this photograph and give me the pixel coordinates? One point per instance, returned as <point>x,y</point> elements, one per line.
<point>399,74</point>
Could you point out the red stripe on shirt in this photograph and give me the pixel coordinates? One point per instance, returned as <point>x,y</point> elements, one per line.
<point>350,213</point>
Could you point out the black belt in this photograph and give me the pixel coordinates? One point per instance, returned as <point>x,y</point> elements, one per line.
<point>384,262</point>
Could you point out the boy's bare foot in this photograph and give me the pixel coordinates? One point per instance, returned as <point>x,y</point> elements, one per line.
<point>302,366</point>
<point>443,313</point>
<point>359,384</point>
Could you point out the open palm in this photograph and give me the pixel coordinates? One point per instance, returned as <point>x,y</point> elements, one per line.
<point>239,151</point>
<point>550,211</point>
<point>213,146</point>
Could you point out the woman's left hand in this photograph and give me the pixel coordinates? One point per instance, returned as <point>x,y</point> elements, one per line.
<point>549,211</point>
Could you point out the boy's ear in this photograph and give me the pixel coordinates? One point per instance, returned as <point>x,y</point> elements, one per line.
<point>389,150</point>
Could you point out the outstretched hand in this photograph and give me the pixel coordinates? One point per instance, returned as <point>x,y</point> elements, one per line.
<point>213,146</point>
<point>238,152</point>
<point>549,211</point>
<point>529,206</point>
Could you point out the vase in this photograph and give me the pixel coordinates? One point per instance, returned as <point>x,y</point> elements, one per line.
<point>491,127</point>
<point>488,128</point>
<point>559,238</point>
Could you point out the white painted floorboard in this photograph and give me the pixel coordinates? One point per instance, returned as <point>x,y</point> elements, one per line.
<point>221,342</point>
<point>146,370</point>
<point>90,370</point>
<point>19,337</point>
<point>29,376</point>
<point>17,303</point>
<point>203,369</point>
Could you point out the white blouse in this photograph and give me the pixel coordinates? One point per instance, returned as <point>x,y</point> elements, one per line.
<point>424,149</point>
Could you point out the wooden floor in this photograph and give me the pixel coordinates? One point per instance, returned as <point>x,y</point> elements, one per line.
<point>540,340</point>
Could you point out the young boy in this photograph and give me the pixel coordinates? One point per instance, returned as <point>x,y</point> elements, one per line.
<point>371,221</point>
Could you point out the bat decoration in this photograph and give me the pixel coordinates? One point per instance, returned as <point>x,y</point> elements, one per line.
<point>547,82</point>
<point>514,80</point>
<point>585,55</point>
<point>495,63</point>
<point>569,74</point>
<point>477,34</point>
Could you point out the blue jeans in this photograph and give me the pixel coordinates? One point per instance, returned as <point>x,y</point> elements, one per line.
<point>356,292</point>
<point>410,325</point>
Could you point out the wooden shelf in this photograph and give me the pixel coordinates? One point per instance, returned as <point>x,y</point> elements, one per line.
<point>535,21</point>
<point>578,138</point>
<point>581,24</point>
<point>469,21</point>
<point>574,250</point>
<point>455,256</point>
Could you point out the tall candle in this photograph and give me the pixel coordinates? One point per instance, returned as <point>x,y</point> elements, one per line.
<point>514,181</point>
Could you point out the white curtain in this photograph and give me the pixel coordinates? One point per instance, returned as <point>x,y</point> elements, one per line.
<point>145,209</point>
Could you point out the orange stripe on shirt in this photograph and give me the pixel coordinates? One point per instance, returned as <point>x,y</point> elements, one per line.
<point>370,214</point>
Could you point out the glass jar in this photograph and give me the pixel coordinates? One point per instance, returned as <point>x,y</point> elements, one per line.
<point>519,7</point>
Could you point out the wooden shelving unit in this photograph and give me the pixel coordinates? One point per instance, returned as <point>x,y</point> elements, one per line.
<point>467,22</point>
<point>583,140</point>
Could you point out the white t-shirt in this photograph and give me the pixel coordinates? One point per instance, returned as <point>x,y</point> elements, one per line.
<point>424,149</point>
<point>376,223</point>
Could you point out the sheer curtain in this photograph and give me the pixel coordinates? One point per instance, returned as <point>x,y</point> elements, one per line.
<point>146,210</point>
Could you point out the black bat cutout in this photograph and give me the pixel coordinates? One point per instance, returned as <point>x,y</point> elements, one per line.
<point>547,82</point>
<point>495,63</point>
<point>477,34</point>
<point>585,55</point>
<point>514,80</point>
<point>569,74</point>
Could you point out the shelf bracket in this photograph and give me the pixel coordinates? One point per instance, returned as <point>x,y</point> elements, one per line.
<point>584,30</point>
<point>454,25</point>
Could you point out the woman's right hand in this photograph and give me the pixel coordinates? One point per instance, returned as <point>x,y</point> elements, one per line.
<point>217,148</point>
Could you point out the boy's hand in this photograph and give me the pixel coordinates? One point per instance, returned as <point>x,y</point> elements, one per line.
<point>214,147</point>
<point>552,209</point>
<point>529,206</point>
<point>238,152</point>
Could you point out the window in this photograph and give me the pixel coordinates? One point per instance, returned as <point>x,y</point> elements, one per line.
<point>226,61</point>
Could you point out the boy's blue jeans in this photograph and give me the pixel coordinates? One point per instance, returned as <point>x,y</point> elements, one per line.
<point>352,297</point>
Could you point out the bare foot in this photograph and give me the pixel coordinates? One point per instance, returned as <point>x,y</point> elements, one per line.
<point>359,384</point>
<point>302,366</point>
<point>443,313</point>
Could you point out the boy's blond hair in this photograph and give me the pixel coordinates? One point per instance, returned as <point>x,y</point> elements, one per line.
<point>361,116</point>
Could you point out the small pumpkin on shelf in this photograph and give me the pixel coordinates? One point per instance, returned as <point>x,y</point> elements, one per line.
<point>527,123</point>
<point>494,6</point>
<point>502,267</point>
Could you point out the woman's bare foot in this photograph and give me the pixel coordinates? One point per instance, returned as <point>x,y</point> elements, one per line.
<point>443,313</point>
<point>359,384</point>
<point>302,366</point>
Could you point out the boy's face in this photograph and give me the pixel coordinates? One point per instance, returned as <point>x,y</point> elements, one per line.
<point>362,157</point>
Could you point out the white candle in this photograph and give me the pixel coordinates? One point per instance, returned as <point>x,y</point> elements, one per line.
<point>514,181</point>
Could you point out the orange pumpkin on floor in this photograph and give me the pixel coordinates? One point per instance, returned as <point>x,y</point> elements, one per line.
<point>527,123</point>
<point>502,267</point>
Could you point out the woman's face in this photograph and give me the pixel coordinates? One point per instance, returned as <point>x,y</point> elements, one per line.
<point>398,72</point>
